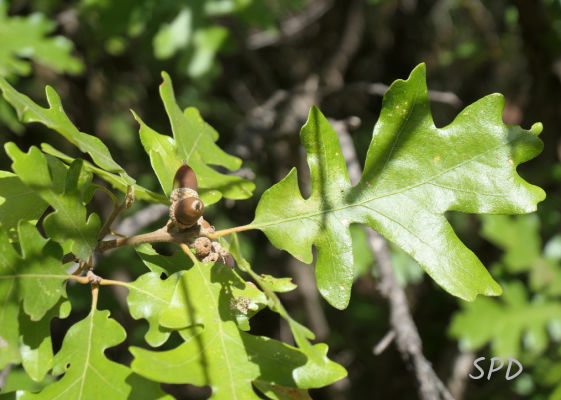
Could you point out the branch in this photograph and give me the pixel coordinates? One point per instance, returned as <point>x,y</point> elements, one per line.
<point>126,203</point>
<point>159,235</point>
<point>379,89</point>
<point>290,27</point>
<point>407,337</point>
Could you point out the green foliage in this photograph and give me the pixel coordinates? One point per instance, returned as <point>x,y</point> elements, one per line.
<point>193,143</point>
<point>33,280</point>
<point>210,306</point>
<point>63,190</point>
<point>414,172</point>
<point>27,37</point>
<point>505,322</point>
<point>86,369</point>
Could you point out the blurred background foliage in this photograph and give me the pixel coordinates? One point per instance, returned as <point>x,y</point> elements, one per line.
<point>253,68</point>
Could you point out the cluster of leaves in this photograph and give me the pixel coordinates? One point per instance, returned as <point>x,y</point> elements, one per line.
<point>413,173</point>
<point>208,304</point>
<point>525,322</point>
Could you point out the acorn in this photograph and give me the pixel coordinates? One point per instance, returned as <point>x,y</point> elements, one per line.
<point>185,178</point>
<point>188,211</point>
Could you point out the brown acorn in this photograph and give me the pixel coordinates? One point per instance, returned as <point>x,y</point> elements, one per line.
<point>185,178</point>
<point>188,211</point>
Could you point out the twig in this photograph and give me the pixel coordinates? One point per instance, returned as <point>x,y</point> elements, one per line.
<point>290,27</point>
<point>127,202</point>
<point>350,41</point>
<point>3,375</point>
<point>380,89</point>
<point>407,337</point>
<point>457,382</point>
<point>384,342</point>
<point>159,235</point>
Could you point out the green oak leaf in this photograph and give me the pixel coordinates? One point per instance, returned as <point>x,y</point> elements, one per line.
<point>319,370</point>
<point>280,285</point>
<point>88,374</point>
<point>37,276</point>
<point>27,37</point>
<point>414,172</point>
<point>61,189</point>
<point>193,143</point>
<point>55,118</point>
<point>35,343</point>
<point>163,265</point>
<point>35,279</point>
<point>221,354</point>
<point>506,322</point>
<point>148,297</point>
<point>17,201</point>
<point>117,181</point>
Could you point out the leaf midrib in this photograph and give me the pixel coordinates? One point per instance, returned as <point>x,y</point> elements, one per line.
<point>373,198</point>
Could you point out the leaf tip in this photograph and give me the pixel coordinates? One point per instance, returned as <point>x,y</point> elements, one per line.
<point>536,128</point>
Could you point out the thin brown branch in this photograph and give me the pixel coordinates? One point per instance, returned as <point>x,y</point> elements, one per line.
<point>159,235</point>
<point>407,338</point>
<point>380,89</point>
<point>350,42</point>
<point>126,203</point>
<point>290,27</point>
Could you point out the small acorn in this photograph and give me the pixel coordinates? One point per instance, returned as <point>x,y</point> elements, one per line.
<point>188,211</point>
<point>185,178</point>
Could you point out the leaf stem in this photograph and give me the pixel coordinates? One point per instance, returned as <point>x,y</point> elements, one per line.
<point>229,231</point>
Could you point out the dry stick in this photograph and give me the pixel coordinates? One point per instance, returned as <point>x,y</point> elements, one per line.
<point>407,337</point>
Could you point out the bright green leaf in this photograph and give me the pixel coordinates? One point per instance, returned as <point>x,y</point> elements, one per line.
<point>221,355</point>
<point>35,344</point>
<point>414,172</point>
<point>27,37</point>
<point>36,276</point>
<point>155,262</point>
<point>278,284</point>
<point>117,181</point>
<point>148,297</point>
<point>88,374</point>
<point>17,201</point>
<point>193,143</point>
<point>70,220</point>
<point>55,118</point>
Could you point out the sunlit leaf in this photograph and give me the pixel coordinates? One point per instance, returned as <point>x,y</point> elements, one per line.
<point>61,190</point>
<point>193,143</point>
<point>414,172</point>
<point>88,374</point>
<point>55,118</point>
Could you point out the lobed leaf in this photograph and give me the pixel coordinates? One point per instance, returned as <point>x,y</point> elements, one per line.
<point>55,118</point>
<point>414,172</point>
<point>205,307</point>
<point>33,280</point>
<point>117,181</point>
<point>18,202</point>
<point>88,374</point>
<point>193,143</point>
<point>62,190</point>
